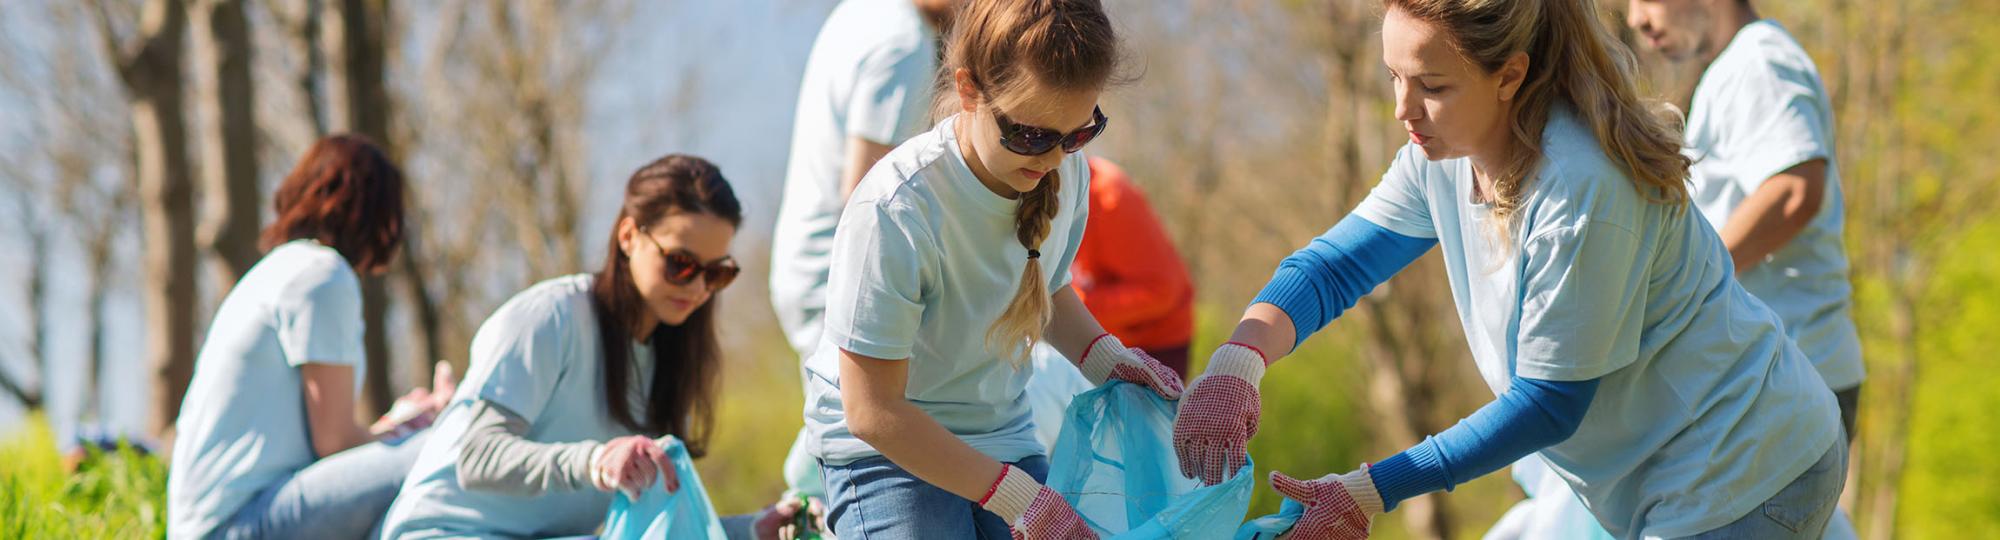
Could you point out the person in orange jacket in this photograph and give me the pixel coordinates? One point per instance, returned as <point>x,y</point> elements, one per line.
<point>1128,272</point>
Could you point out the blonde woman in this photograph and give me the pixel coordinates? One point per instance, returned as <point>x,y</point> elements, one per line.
<point>1600,308</point>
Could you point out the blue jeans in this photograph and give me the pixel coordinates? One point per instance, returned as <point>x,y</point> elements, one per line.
<point>873,499</point>
<point>1800,511</point>
<point>340,496</point>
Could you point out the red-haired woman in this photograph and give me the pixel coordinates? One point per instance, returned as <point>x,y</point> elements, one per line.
<point>267,444</point>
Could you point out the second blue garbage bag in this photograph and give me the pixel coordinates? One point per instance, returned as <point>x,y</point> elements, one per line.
<point>1114,462</point>
<point>658,515</point>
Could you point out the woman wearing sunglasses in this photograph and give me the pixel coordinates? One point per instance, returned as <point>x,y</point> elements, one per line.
<point>914,400</point>
<point>573,380</point>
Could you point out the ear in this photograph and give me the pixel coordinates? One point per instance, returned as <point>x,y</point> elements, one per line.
<point>1512,74</point>
<point>968,93</point>
<point>625,228</point>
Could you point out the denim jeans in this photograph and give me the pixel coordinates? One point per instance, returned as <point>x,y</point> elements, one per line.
<point>1800,511</point>
<point>873,499</point>
<point>340,496</point>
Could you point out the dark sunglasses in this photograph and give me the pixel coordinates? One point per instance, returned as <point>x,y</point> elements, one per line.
<point>682,267</point>
<point>1034,141</point>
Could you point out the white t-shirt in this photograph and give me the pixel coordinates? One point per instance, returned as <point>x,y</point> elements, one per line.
<point>1760,109</point>
<point>924,260</point>
<point>1704,408</point>
<point>869,76</point>
<point>243,425</point>
<point>538,356</point>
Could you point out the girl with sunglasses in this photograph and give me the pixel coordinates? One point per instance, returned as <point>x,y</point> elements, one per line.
<point>951,259</point>
<point>573,380</point>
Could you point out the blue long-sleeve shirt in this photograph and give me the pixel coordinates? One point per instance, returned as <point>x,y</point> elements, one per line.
<point>1320,281</point>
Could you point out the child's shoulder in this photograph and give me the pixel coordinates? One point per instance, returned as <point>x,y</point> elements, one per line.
<point>911,167</point>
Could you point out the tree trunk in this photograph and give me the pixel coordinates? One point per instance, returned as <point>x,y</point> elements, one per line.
<point>354,37</point>
<point>1403,356</point>
<point>38,301</point>
<point>229,224</point>
<point>98,304</point>
<point>38,250</point>
<point>150,68</point>
<point>417,295</point>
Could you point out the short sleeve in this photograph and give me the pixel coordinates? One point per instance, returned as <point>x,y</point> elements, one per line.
<point>1075,167</point>
<point>876,287</point>
<point>1398,203</point>
<point>521,353</point>
<point>1776,120</point>
<point>318,315</point>
<point>1582,302</point>
<point>891,94</point>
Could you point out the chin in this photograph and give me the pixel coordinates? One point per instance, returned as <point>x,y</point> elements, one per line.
<point>1681,52</point>
<point>670,316</point>
<point>1436,154</point>
<point>1023,185</point>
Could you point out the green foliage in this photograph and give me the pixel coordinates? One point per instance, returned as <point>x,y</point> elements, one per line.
<point>112,495</point>
<point>758,416</point>
<point>1947,489</point>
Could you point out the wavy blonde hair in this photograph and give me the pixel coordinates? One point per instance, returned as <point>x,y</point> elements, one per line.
<point>1573,58</point>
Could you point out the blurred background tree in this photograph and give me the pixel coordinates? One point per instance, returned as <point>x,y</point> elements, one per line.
<point>140,139</point>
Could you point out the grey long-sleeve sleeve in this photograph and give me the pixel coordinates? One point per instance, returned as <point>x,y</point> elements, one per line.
<point>496,457</point>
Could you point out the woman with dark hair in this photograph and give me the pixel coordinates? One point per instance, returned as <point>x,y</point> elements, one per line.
<point>267,435</point>
<point>574,380</point>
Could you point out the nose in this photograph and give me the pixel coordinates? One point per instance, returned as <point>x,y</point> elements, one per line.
<point>1049,161</point>
<point>1408,109</point>
<point>1635,19</point>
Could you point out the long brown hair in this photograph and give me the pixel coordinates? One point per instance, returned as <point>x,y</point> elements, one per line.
<point>686,359</point>
<point>1006,46</point>
<point>346,194</point>
<point>1573,59</point>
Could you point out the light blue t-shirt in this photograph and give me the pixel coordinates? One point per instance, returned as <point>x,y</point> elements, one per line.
<point>1704,408</point>
<point>243,425</point>
<point>869,76</point>
<point>1760,109</point>
<point>924,260</point>
<point>538,357</point>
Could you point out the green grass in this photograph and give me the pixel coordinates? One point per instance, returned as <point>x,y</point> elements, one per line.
<point>112,495</point>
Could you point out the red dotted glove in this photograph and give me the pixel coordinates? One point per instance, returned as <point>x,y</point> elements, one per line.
<point>1107,358</point>
<point>1219,414</point>
<point>1033,511</point>
<point>1338,506</point>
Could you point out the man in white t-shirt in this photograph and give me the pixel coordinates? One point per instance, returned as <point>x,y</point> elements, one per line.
<point>867,87</point>
<point>1760,130</point>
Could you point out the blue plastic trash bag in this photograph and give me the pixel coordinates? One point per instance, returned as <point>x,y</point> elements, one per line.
<point>1269,527</point>
<point>658,515</point>
<point>1053,384</point>
<point>1114,462</point>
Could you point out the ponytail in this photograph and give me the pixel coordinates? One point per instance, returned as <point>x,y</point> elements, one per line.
<point>1028,314</point>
